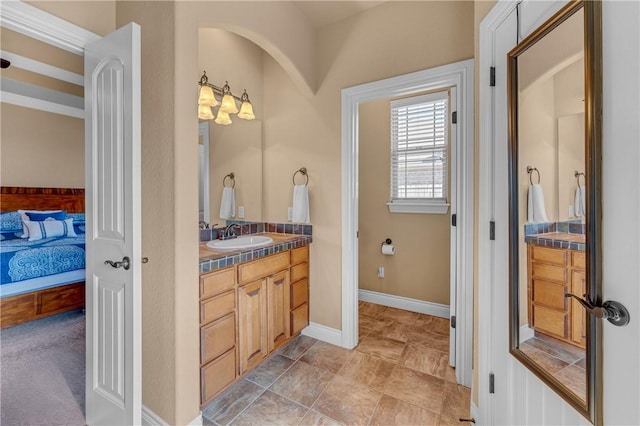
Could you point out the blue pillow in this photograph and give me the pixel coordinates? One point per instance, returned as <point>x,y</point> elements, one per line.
<point>39,217</point>
<point>10,222</point>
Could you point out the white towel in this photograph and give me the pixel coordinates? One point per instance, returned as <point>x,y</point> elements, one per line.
<point>536,212</point>
<point>228,203</point>
<point>300,204</point>
<point>579,202</point>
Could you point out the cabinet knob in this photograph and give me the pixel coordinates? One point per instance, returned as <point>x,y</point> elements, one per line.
<point>612,311</point>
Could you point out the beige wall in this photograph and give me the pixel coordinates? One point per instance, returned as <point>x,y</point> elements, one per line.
<point>237,147</point>
<point>420,267</point>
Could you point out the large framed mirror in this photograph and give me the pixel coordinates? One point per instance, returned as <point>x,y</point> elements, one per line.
<point>555,100</point>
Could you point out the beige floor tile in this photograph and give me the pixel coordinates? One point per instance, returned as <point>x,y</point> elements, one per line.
<point>385,348</point>
<point>430,361</point>
<point>414,387</point>
<point>270,370</point>
<point>576,379</point>
<point>271,409</point>
<point>302,383</point>
<point>392,411</point>
<point>400,315</point>
<point>546,361</point>
<point>367,370</point>
<point>326,356</point>
<point>232,401</point>
<point>370,309</point>
<point>456,404</point>
<point>434,324</point>
<point>347,401</point>
<point>373,324</point>
<point>316,419</point>
<point>429,339</point>
<point>297,347</point>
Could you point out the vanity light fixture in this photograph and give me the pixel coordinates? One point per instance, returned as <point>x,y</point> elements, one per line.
<point>207,100</point>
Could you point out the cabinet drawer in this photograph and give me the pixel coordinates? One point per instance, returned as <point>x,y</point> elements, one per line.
<point>217,374</point>
<point>217,306</point>
<point>217,338</point>
<point>549,294</point>
<point>550,321</point>
<point>263,267</point>
<point>299,272</point>
<point>217,282</point>
<point>299,293</point>
<point>299,318</point>
<point>299,255</point>
<point>548,272</point>
<point>549,255</point>
<point>577,259</point>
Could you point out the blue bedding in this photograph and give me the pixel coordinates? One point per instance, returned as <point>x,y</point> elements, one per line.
<point>21,259</point>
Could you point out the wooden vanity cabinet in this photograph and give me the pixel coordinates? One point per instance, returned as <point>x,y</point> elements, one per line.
<point>552,273</point>
<point>218,324</point>
<point>252,330</point>
<point>299,298</point>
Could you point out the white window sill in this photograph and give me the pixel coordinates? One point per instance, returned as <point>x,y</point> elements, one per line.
<point>424,208</point>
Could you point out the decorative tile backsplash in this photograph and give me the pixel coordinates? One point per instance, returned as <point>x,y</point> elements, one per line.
<point>567,227</point>
<point>537,233</point>
<point>247,228</point>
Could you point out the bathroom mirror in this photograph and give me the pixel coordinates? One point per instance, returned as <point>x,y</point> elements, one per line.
<point>555,102</point>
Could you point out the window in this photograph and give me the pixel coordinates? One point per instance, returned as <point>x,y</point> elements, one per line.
<point>419,145</point>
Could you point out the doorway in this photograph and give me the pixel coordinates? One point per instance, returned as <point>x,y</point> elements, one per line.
<point>459,76</point>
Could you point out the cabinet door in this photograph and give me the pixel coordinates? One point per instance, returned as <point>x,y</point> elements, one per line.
<point>278,310</point>
<point>252,329</point>
<point>578,313</point>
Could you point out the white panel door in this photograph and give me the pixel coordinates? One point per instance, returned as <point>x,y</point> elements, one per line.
<point>113,302</point>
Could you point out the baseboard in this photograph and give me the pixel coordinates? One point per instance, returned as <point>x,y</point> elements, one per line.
<point>413,305</point>
<point>324,333</point>
<point>149,418</point>
<point>526,333</point>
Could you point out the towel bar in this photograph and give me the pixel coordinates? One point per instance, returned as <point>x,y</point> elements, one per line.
<point>530,170</point>
<point>232,177</point>
<point>303,171</point>
<point>577,175</point>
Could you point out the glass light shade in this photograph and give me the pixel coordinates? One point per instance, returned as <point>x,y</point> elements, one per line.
<point>204,112</point>
<point>246,111</point>
<point>229,105</point>
<point>223,118</point>
<point>206,97</point>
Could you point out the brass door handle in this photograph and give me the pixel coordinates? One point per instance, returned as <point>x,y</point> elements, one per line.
<point>612,311</point>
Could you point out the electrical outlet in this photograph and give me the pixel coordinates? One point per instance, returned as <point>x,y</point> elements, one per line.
<point>380,271</point>
<point>240,212</point>
<point>290,213</point>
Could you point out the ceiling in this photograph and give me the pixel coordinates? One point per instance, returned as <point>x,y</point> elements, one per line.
<point>324,12</point>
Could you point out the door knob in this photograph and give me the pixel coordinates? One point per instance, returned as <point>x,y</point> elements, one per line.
<point>125,263</point>
<point>612,311</point>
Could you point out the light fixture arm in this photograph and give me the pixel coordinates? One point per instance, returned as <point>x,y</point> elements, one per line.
<point>220,91</point>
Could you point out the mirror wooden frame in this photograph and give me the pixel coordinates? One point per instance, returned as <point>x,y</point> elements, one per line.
<point>591,408</point>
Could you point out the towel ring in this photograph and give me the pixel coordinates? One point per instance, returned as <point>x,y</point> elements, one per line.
<point>530,170</point>
<point>230,176</point>
<point>303,171</point>
<point>577,175</point>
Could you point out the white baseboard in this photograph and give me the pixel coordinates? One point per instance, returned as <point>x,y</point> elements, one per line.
<point>475,413</point>
<point>413,305</point>
<point>526,333</point>
<point>324,333</point>
<point>149,418</point>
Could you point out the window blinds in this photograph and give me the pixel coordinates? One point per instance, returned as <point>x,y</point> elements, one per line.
<point>419,139</point>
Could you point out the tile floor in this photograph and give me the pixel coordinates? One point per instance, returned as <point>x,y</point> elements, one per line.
<point>564,361</point>
<point>398,375</point>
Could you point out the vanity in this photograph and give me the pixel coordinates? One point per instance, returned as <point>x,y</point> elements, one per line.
<point>556,266</point>
<point>251,302</point>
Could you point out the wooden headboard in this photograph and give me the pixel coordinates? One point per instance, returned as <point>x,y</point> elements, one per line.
<point>13,198</point>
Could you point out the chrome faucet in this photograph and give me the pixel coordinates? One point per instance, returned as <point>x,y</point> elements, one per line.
<point>228,231</point>
<point>204,225</point>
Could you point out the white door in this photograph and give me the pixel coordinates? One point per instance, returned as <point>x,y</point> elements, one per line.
<point>520,397</point>
<point>113,302</point>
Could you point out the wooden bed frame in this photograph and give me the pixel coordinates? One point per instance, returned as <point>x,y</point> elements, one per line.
<point>41,303</point>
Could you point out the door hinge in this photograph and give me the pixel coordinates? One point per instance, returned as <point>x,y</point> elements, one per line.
<point>454,219</point>
<point>492,230</point>
<point>454,117</point>
<point>357,234</point>
<point>453,321</point>
<point>492,388</point>
<point>492,76</point>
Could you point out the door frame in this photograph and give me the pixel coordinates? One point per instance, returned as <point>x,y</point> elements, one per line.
<point>460,75</point>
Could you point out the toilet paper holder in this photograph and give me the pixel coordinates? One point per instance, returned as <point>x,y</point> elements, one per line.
<point>387,241</point>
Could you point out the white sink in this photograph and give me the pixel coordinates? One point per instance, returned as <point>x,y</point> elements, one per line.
<point>246,241</point>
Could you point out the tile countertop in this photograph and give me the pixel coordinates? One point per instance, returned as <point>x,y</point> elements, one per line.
<point>210,259</point>
<point>558,240</point>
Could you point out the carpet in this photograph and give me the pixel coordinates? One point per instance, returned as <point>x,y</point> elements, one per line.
<point>42,371</point>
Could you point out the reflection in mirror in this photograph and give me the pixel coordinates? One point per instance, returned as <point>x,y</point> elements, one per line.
<point>550,251</point>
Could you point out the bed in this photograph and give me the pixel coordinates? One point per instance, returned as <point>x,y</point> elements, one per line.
<point>43,277</point>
